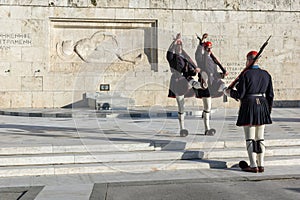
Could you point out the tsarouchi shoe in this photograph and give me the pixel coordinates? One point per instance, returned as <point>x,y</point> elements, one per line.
<point>261,169</point>
<point>210,132</point>
<point>184,133</point>
<point>250,169</point>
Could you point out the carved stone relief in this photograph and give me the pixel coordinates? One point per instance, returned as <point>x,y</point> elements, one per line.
<point>81,41</point>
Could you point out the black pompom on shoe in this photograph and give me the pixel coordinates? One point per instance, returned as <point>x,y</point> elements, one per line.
<point>184,132</point>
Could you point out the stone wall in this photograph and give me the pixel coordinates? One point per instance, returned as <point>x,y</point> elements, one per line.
<point>52,52</point>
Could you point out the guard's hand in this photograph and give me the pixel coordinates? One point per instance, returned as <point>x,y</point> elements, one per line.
<point>226,91</point>
<point>204,36</point>
<point>223,75</point>
<point>197,70</point>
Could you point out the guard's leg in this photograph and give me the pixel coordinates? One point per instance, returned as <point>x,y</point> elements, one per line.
<point>259,134</point>
<point>204,80</point>
<point>180,103</point>
<point>250,144</point>
<point>206,116</point>
<point>222,86</point>
<point>197,85</point>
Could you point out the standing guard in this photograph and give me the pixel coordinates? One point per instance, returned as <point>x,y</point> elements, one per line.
<point>255,91</point>
<point>182,83</point>
<point>209,64</point>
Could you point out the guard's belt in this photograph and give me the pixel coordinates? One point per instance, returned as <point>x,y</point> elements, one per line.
<point>257,95</point>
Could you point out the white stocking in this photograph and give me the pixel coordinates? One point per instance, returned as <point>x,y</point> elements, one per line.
<point>249,136</point>
<point>206,111</point>
<point>180,103</point>
<point>259,134</point>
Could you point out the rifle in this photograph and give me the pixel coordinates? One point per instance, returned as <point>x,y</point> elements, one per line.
<point>213,57</point>
<point>252,63</point>
<point>188,59</point>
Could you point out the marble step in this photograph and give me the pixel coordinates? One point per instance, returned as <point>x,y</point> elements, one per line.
<point>241,152</point>
<point>150,146</point>
<point>97,157</point>
<point>269,161</point>
<point>137,156</point>
<point>129,167</point>
<point>138,167</point>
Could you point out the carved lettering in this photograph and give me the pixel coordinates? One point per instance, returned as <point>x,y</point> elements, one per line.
<point>234,70</point>
<point>8,40</point>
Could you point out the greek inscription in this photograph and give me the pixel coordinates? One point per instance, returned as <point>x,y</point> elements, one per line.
<point>234,70</point>
<point>8,40</point>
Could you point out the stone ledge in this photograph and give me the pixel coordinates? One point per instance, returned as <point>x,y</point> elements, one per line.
<point>286,103</point>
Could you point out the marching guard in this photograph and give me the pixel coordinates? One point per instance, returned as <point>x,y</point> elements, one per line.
<point>209,64</point>
<point>182,84</point>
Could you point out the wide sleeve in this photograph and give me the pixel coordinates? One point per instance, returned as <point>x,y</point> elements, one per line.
<point>170,56</point>
<point>240,91</point>
<point>270,93</point>
<point>198,55</point>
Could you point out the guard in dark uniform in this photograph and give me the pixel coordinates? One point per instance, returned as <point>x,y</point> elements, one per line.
<point>255,92</point>
<point>209,65</point>
<point>182,84</point>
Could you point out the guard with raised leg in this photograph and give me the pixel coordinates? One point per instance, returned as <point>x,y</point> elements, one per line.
<point>210,77</point>
<point>182,84</point>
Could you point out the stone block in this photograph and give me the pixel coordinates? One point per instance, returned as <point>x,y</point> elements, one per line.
<point>284,5</point>
<point>211,30</point>
<point>34,3</point>
<point>232,4</point>
<point>143,97</point>
<point>20,12</point>
<point>79,83</point>
<point>161,3</point>
<point>191,28</point>
<point>235,17</point>
<point>256,5</point>
<point>31,83</point>
<point>117,3</point>
<point>38,68</point>
<point>5,11</point>
<point>39,12</point>
<point>139,4</point>
<point>10,83</point>
<point>42,99</point>
<point>5,68</point>
<point>5,100</point>
<point>295,5</point>
<point>130,13</point>
<point>90,83</point>
<point>61,99</point>
<point>195,4</point>
<point>133,83</point>
<point>33,54</point>
<point>215,4</point>
<point>21,69</point>
<point>21,99</point>
<point>161,98</point>
<point>106,13</point>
